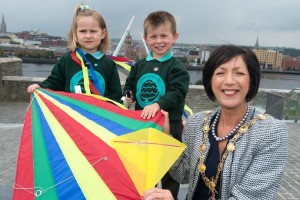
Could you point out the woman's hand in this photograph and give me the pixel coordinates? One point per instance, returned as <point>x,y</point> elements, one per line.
<point>158,194</point>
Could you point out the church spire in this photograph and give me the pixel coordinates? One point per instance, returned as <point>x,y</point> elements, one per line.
<point>256,46</point>
<point>3,25</point>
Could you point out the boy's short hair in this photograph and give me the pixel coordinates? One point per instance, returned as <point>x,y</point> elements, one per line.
<point>224,54</point>
<point>157,18</point>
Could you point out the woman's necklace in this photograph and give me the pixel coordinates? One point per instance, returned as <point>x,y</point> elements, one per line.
<point>212,182</point>
<point>215,122</point>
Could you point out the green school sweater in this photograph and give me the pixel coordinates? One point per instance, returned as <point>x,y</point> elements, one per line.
<point>165,83</point>
<point>66,74</point>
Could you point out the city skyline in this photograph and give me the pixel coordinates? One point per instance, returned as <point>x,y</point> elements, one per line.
<point>275,23</point>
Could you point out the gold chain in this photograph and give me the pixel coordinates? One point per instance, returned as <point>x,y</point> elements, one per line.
<point>211,183</point>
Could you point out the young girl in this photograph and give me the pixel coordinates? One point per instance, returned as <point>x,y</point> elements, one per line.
<point>86,68</point>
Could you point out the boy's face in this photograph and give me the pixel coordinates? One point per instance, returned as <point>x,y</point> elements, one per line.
<point>89,34</point>
<point>160,39</point>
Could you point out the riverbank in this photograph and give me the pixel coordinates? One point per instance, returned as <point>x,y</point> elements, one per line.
<point>188,66</point>
<point>279,72</point>
<point>194,68</point>
<point>200,68</point>
<point>39,60</point>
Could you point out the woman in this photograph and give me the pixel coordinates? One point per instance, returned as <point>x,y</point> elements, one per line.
<point>233,152</point>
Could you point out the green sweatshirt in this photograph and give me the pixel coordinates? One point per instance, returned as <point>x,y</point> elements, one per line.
<point>67,74</point>
<point>164,82</point>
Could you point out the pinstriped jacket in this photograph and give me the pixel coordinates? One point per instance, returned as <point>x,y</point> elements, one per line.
<point>252,171</point>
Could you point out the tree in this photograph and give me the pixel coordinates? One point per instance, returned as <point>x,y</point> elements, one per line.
<point>199,82</point>
<point>182,59</point>
<point>291,52</point>
<point>1,53</point>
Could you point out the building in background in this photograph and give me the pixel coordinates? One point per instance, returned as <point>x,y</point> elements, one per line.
<point>3,25</point>
<point>204,55</point>
<point>205,51</point>
<point>269,59</point>
<point>290,63</point>
<point>133,50</point>
<point>4,38</point>
<point>256,46</point>
<point>128,49</point>
<point>194,57</point>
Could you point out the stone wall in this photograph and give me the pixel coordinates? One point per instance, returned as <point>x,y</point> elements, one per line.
<point>9,67</point>
<point>13,86</point>
<point>14,89</point>
<point>197,99</point>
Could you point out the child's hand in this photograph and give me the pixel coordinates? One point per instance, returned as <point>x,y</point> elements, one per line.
<point>128,98</point>
<point>150,111</point>
<point>32,87</point>
<point>157,193</point>
<point>128,102</point>
<point>166,126</point>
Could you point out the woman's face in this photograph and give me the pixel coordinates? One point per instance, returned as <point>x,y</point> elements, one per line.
<point>230,83</point>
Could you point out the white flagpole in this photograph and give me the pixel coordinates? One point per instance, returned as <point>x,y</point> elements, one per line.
<point>144,43</point>
<point>116,52</point>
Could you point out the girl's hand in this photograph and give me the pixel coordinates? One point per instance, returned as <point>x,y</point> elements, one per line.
<point>32,87</point>
<point>128,102</point>
<point>128,99</point>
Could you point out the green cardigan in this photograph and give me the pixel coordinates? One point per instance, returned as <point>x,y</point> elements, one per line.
<point>67,73</point>
<point>165,83</point>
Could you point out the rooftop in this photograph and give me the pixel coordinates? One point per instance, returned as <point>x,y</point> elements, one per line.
<point>11,124</point>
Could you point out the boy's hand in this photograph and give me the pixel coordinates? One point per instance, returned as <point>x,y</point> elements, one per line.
<point>32,87</point>
<point>166,126</point>
<point>150,111</point>
<point>157,193</point>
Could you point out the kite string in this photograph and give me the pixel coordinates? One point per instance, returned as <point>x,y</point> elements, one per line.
<point>31,100</point>
<point>19,187</point>
<point>39,190</point>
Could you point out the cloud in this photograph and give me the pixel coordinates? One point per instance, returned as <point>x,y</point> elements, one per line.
<point>276,22</point>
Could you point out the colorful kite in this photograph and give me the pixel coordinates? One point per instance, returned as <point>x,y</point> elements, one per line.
<point>123,62</point>
<point>78,146</point>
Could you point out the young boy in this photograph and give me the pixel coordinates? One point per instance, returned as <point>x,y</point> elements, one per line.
<point>160,81</point>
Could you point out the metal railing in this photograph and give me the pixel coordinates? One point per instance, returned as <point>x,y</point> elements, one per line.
<point>281,104</point>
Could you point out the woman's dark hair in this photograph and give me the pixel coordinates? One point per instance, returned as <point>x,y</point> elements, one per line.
<point>224,54</point>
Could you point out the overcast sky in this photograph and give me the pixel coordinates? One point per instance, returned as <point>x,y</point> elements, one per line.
<point>276,23</point>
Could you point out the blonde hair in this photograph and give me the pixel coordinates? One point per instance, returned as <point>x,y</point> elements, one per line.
<point>158,18</point>
<point>81,11</point>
